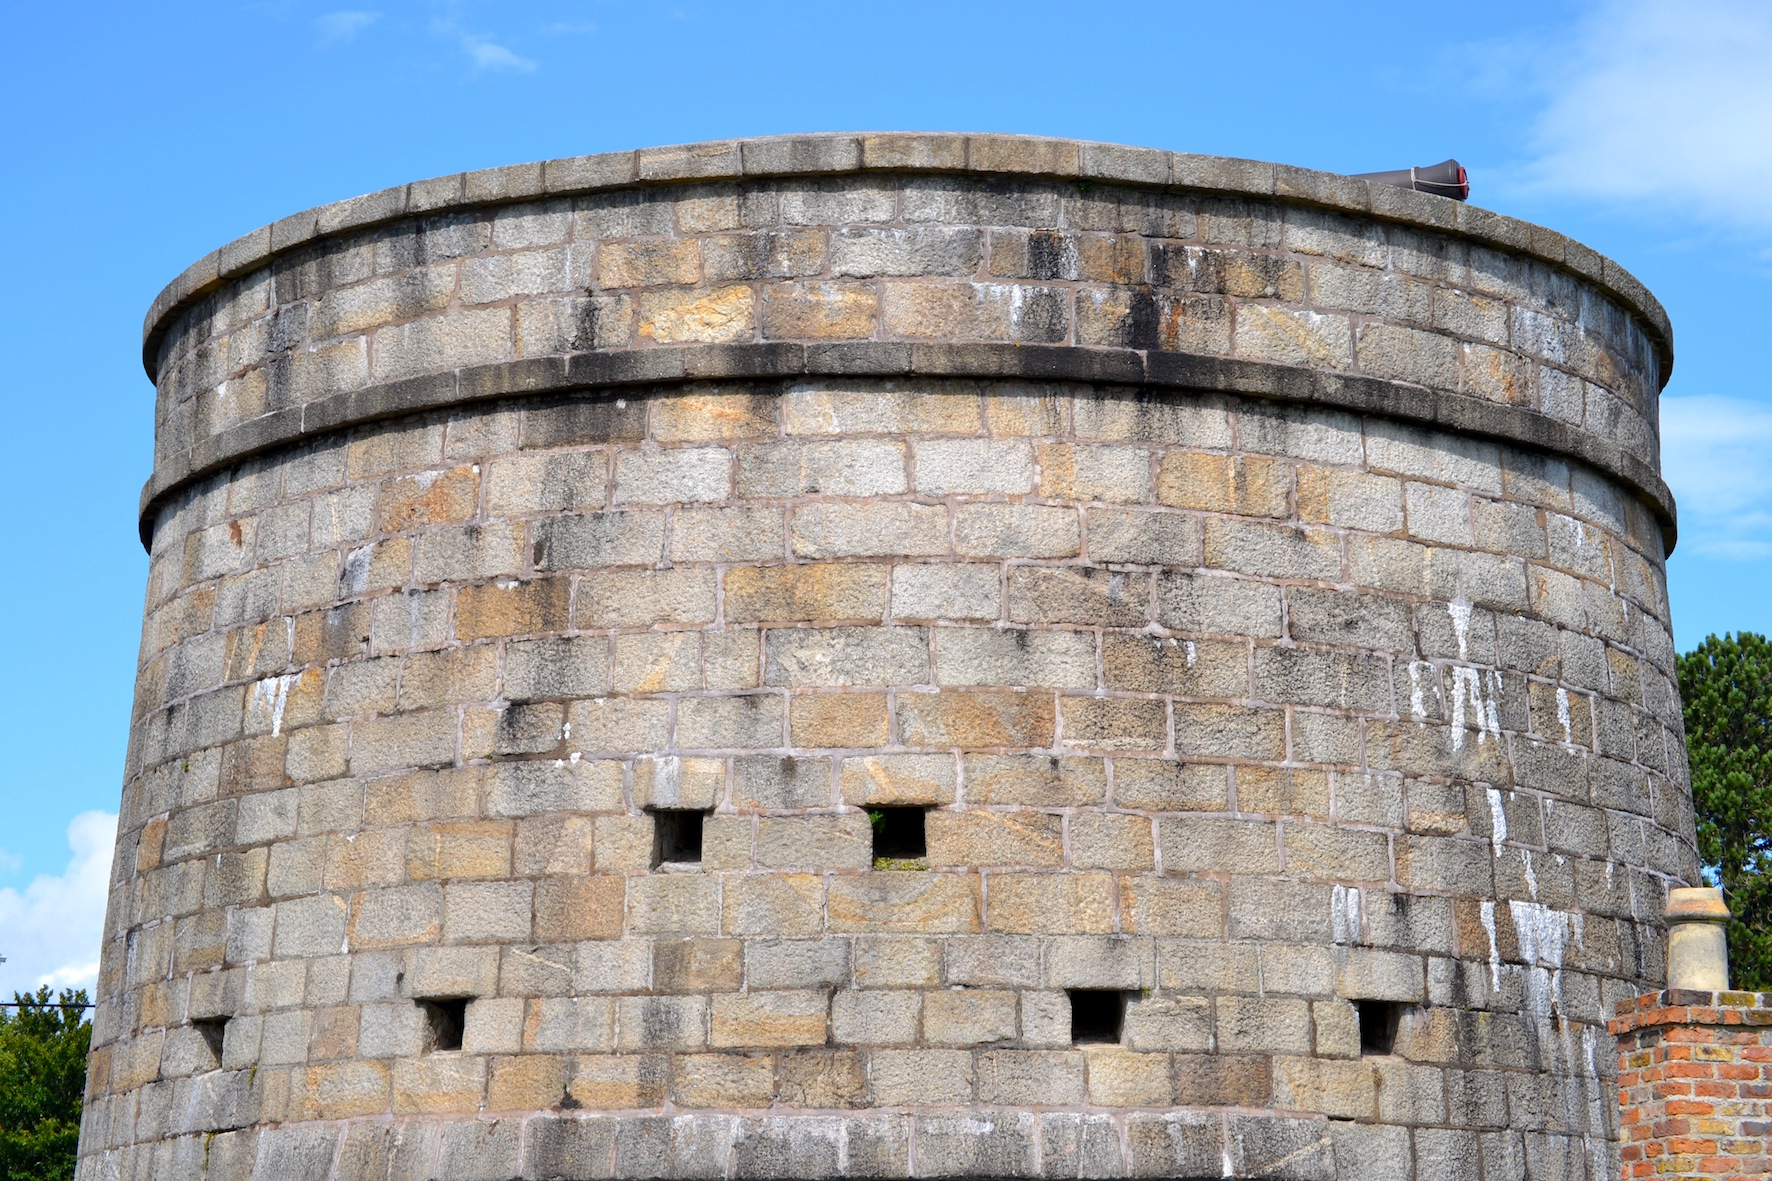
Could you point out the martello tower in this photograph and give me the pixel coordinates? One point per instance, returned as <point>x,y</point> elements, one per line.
<point>887,656</point>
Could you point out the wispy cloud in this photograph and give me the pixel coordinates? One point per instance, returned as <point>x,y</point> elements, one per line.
<point>338,28</point>
<point>570,28</point>
<point>1714,456</point>
<point>489,55</point>
<point>50,932</point>
<point>1659,104</point>
<point>483,53</point>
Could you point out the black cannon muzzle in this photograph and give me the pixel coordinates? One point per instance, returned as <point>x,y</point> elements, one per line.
<point>1445,179</point>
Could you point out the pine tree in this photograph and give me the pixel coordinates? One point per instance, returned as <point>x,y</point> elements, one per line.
<point>42,1077</point>
<point>1726,685</point>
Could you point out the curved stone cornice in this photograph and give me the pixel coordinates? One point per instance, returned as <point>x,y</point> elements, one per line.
<point>857,154</point>
<point>591,371</point>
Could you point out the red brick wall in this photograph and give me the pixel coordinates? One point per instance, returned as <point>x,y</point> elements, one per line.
<point>1694,1078</point>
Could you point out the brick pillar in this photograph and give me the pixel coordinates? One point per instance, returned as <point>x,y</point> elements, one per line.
<point>1694,1077</point>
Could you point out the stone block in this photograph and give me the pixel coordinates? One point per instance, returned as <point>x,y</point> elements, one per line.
<point>1016,531</point>
<point>921,1077</point>
<point>1187,668</point>
<point>819,310</point>
<point>1144,538</point>
<point>764,1019</point>
<point>995,1144</point>
<point>903,902</point>
<point>1112,474</point>
<point>579,907</point>
<point>1118,1078</point>
<point>978,467</point>
<point>1179,1144</point>
<point>776,905</point>
<point>728,535</point>
<point>837,720</point>
<point>1273,1024</point>
<point>1051,904</point>
<point>1029,1077</point>
<point>976,719</point>
<point>816,592</point>
<point>1036,780</point>
<point>844,841</point>
<point>876,1017</point>
<point>668,781</point>
<point>1014,658</point>
<point>839,656</point>
<point>644,598</point>
<point>893,529</point>
<point>1114,724</point>
<point>722,1080</point>
<point>1078,594</point>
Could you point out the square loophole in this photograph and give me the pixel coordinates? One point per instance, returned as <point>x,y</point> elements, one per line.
<point>899,833</point>
<point>445,1018</point>
<point>1378,1026</point>
<point>676,836</point>
<point>214,1032</point>
<point>1098,1016</point>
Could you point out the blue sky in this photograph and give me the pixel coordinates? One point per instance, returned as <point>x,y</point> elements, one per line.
<point>138,137</point>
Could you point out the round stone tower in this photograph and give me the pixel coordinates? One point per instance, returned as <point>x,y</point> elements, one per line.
<point>893,656</point>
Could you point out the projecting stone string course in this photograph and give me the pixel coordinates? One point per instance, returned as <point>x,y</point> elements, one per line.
<point>893,656</point>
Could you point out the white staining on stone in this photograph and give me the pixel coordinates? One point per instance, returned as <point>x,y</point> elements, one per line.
<point>1497,820</point>
<point>1464,682</point>
<point>356,575</point>
<point>1193,652</point>
<point>1487,914</point>
<point>269,696</point>
<point>1417,706</point>
<point>1544,938</point>
<point>1563,715</point>
<point>1460,611</point>
<point>1347,914</point>
<point>1467,685</point>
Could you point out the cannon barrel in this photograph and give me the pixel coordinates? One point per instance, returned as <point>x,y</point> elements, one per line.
<point>1445,179</point>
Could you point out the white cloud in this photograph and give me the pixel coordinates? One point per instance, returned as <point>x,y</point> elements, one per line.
<point>1714,455</point>
<point>570,28</point>
<point>342,27</point>
<point>1664,103</point>
<point>488,55</point>
<point>50,933</point>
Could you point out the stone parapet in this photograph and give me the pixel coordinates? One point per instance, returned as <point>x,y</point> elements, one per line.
<point>1695,1084</point>
<point>1019,242</point>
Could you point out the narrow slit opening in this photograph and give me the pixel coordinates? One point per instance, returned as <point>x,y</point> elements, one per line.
<point>676,836</point>
<point>445,1018</point>
<point>900,834</point>
<point>214,1032</point>
<point>1378,1026</point>
<point>1098,1016</point>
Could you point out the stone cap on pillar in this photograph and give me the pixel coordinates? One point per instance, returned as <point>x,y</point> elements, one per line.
<point>1697,946</point>
<point>1696,904</point>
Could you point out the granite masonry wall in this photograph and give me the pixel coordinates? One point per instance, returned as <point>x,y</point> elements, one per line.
<point>567,581</point>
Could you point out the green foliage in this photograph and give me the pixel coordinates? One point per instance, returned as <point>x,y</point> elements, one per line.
<point>42,1077</point>
<point>1726,685</point>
